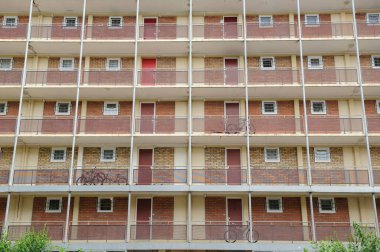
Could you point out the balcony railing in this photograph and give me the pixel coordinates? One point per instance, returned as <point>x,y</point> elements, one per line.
<point>225,76</point>
<point>106,32</point>
<point>331,75</point>
<point>47,125</point>
<point>162,77</point>
<point>104,175</point>
<point>343,176</point>
<point>231,175</point>
<point>8,125</point>
<point>376,175</point>
<point>371,75</point>
<point>218,31</point>
<point>219,124</point>
<point>337,230</point>
<point>334,124</point>
<point>327,30</point>
<point>278,76</point>
<point>54,175</point>
<point>161,124</point>
<point>163,32</point>
<point>51,77</point>
<point>281,30</point>
<point>158,230</point>
<point>4,175</point>
<point>105,125</point>
<point>286,176</point>
<point>373,124</point>
<point>11,77</point>
<point>13,32</point>
<point>290,231</point>
<point>270,124</point>
<point>55,32</point>
<point>103,231</point>
<point>54,229</point>
<point>96,77</point>
<point>220,230</point>
<point>367,30</point>
<point>153,175</point>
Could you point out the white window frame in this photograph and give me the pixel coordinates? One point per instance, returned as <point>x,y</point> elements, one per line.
<point>61,68</point>
<point>110,23</point>
<point>367,18</point>
<point>318,113</point>
<point>378,106</point>
<point>102,154</point>
<point>10,66</point>
<point>10,26</point>
<point>52,155</point>
<point>266,26</point>
<point>309,66</point>
<point>62,113</point>
<point>271,210</point>
<point>104,211</point>
<point>268,113</point>
<point>373,61</point>
<point>5,107</point>
<point>47,210</point>
<point>327,211</point>
<point>318,20</point>
<point>70,27</point>
<point>106,112</point>
<point>273,67</point>
<point>322,149</point>
<point>272,160</point>
<point>113,69</point>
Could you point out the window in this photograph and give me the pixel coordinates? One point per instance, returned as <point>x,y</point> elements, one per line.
<point>115,21</point>
<point>274,205</point>
<point>10,21</point>
<point>321,155</point>
<point>377,106</point>
<point>272,154</point>
<point>311,19</point>
<point>3,108</point>
<point>111,108</point>
<point>265,21</point>
<point>58,155</point>
<point>318,107</point>
<point>267,63</point>
<point>5,64</point>
<point>108,155</point>
<point>269,107</point>
<point>376,61</point>
<point>53,205</point>
<point>314,62</point>
<point>105,205</point>
<point>66,64</point>
<point>62,108</point>
<point>373,18</point>
<point>113,64</point>
<point>70,22</point>
<point>326,205</point>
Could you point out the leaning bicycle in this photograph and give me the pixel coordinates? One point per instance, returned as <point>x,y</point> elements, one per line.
<point>239,232</point>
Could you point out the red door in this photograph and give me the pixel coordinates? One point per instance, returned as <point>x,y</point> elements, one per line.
<point>147,118</point>
<point>233,167</point>
<point>231,75</point>
<point>143,215</point>
<point>148,74</point>
<point>145,167</point>
<point>235,217</point>
<point>150,28</point>
<point>230,27</point>
<point>232,118</point>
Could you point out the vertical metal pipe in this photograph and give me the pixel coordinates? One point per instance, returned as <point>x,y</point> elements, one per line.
<point>5,225</point>
<point>312,217</point>
<point>250,216</point>
<point>190,100</point>
<point>189,226</point>
<point>67,221</point>
<point>129,217</point>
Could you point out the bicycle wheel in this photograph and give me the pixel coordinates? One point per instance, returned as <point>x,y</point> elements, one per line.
<point>230,236</point>
<point>255,236</point>
<point>81,181</point>
<point>122,181</point>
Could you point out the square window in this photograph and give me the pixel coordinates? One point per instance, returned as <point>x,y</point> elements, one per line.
<point>115,22</point>
<point>53,205</point>
<point>267,63</point>
<point>62,108</point>
<point>314,62</point>
<point>265,21</point>
<point>274,205</point>
<point>3,108</point>
<point>66,64</point>
<point>378,106</point>
<point>10,21</point>
<point>272,154</point>
<point>312,19</point>
<point>111,108</point>
<point>326,205</point>
<point>376,61</point>
<point>70,22</point>
<point>269,107</point>
<point>58,155</point>
<point>105,205</point>
<point>108,155</point>
<point>373,18</point>
<point>321,155</point>
<point>318,107</point>
<point>5,64</point>
<point>113,64</point>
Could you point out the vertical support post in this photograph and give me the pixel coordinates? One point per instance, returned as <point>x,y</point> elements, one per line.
<point>189,226</point>
<point>250,216</point>
<point>312,217</point>
<point>190,100</point>
<point>129,218</point>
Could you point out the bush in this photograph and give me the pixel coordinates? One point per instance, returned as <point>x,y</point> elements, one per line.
<point>33,242</point>
<point>5,245</point>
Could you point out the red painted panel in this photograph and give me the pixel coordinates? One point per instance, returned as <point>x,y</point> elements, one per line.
<point>150,28</point>
<point>147,118</point>
<point>232,118</point>
<point>235,212</point>
<point>230,27</point>
<point>148,72</point>
<point>145,166</point>
<point>144,212</point>
<point>234,166</point>
<point>231,72</point>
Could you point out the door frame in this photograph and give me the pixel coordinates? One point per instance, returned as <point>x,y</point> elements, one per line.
<point>154,115</point>
<point>225,155</point>
<point>242,209</point>
<point>138,155</point>
<point>156,25</point>
<point>224,67</point>
<point>237,19</point>
<point>225,107</point>
<point>151,214</point>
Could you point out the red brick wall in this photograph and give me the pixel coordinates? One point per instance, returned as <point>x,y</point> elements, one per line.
<point>49,109</point>
<point>213,19</point>
<point>12,109</point>
<point>283,108</point>
<point>88,210</point>
<point>332,107</point>
<point>276,18</point>
<point>291,210</point>
<point>341,215</point>
<point>280,62</point>
<point>167,20</point>
<point>95,108</point>
<point>370,107</point>
<point>104,20</point>
<point>328,62</point>
<point>215,209</point>
<point>5,161</point>
<point>100,63</point>
<point>3,205</point>
<point>163,208</point>
<point>214,108</point>
<point>21,19</point>
<point>54,63</point>
<point>324,29</point>
<point>39,214</point>
<point>165,108</point>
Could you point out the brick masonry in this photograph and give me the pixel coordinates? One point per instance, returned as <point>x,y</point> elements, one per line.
<point>6,158</point>
<point>370,108</point>
<point>332,108</point>
<point>280,62</point>
<point>91,158</point>
<point>341,215</point>
<point>276,18</point>
<point>288,158</point>
<point>40,215</point>
<point>163,209</point>
<point>336,155</point>
<point>165,108</point>
<point>44,156</point>
<point>3,205</point>
<point>215,158</point>
<point>127,20</point>
<point>283,108</point>
<point>49,109</point>
<point>213,108</point>
<point>95,108</point>
<point>100,63</point>
<point>291,210</point>
<point>88,210</point>
<point>215,209</point>
<point>164,157</point>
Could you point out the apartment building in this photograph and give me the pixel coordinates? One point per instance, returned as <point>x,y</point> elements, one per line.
<point>174,125</point>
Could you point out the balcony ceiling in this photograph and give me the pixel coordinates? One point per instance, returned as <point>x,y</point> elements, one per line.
<point>217,6</point>
<point>14,6</point>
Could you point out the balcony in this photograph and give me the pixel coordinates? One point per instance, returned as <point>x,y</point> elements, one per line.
<point>280,76</point>
<point>106,32</point>
<point>4,175</point>
<point>275,124</point>
<point>262,175</point>
<point>376,175</point>
<point>163,32</point>
<point>13,32</point>
<point>55,32</point>
<point>278,30</point>
<point>161,125</point>
<point>51,77</point>
<point>212,31</point>
<point>159,175</point>
<point>46,125</point>
<point>54,229</point>
<point>327,30</point>
<point>98,231</point>
<point>219,125</point>
<point>159,230</point>
<point>11,77</point>
<point>217,175</point>
<point>220,231</point>
<point>290,231</point>
<point>162,77</point>
<point>337,230</point>
<point>370,75</point>
<point>334,125</point>
<point>343,176</point>
<point>367,30</point>
<point>331,75</point>
<point>97,77</point>
<point>105,125</point>
<point>221,77</point>
<point>8,125</point>
<point>107,175</point>
<point>54,175</point>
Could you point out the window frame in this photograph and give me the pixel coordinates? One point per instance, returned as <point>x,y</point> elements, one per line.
<point>368,21</point>
<point>64,24</point>
<point>270,25</point>
<point>307,24</point>
<point>112,69</point>
<point>324,112</point>
<point>5,25</point>
<point>104,211</point>
<point>272,160</point>
<point>320,149</point>
<point>61,68</point>
<point>10,65</point>
<point>110,113</point>
<point>273,67</point>
<point>268,113</point>
<point>310,66</point>
<point>378,106</point>
<point>274,210</point>
<point>5,108</point>
<point>47,210</point>
<point>333,210</point>
<point>110,22</point>
<point>102,154</point>
<point>373,61</point>
<point>62,113</point>
<point>52,160</point>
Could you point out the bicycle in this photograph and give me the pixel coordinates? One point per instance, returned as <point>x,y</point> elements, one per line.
<point>235,127</point>
<point>119,179</point>
<point>92,177</point>
<point>235,231</point>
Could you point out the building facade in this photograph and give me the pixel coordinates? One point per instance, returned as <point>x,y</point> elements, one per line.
<point>162,125</point>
